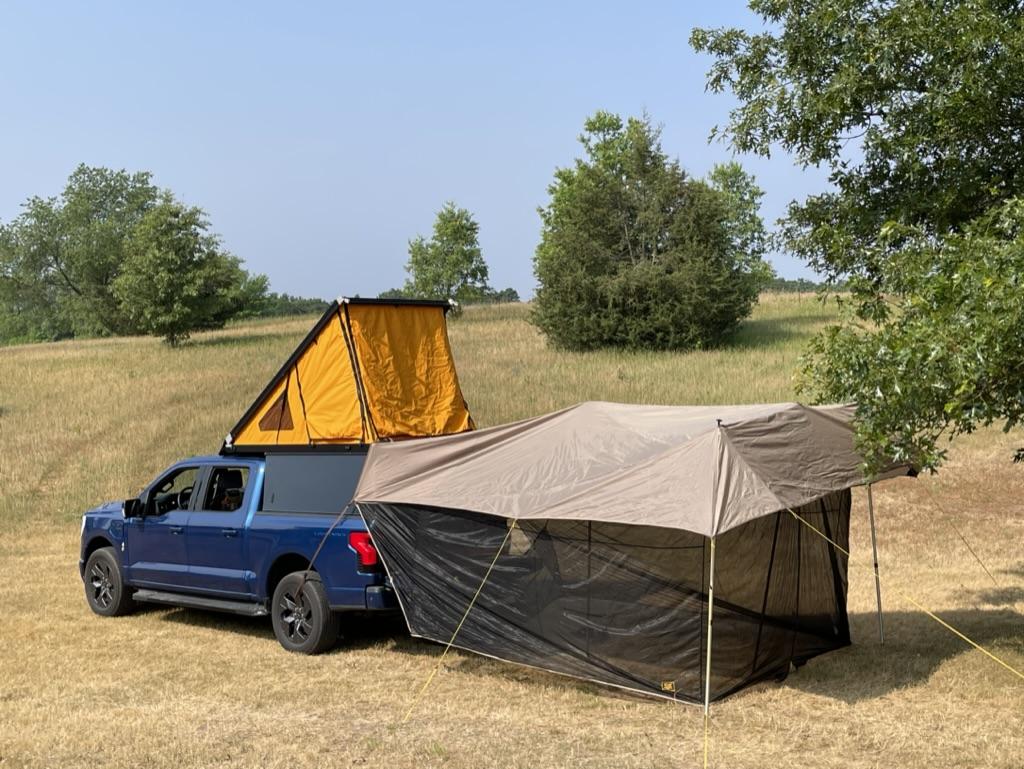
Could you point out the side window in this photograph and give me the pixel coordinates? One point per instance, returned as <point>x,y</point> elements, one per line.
<point>173,491</point>
<point>226,488</point>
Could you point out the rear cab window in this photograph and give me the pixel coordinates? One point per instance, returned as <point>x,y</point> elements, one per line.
<point>225,489</point>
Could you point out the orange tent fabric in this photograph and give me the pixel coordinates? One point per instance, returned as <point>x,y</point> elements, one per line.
<point>408,373</point>
<point>369,370</point>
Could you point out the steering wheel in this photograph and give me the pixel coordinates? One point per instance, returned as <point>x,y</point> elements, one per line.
<point>183,497</point>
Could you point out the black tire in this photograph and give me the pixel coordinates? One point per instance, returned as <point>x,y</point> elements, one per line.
<point>105,590</point>
<point>302,617</point>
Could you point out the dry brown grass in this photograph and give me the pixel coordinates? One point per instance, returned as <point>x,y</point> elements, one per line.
<point>86,421</point>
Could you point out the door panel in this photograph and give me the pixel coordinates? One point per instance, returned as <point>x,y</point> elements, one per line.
<point>216,534</point>
<point>155,543</point>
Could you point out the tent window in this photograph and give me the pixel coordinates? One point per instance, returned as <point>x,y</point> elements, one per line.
<point>278,416</point>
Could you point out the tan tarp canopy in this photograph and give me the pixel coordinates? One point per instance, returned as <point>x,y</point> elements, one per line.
<point>703,469</point>
<point>369,370</point>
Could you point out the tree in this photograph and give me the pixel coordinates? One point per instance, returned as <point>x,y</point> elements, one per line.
<point>449,265</point>
<point>504,296</point>
<point>279,305</point>
<point>747,234</point>
<point>636,254</point>
<point>915,108</point>
<point>176,279</point>
<point>61,259</point>
<point>485,296</point>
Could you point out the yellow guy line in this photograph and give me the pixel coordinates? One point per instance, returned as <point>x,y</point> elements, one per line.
<point>949,520</point>
<point>906,597</point>
<point>447,648</point>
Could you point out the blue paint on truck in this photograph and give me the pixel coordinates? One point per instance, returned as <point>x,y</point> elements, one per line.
<point>202,534</point>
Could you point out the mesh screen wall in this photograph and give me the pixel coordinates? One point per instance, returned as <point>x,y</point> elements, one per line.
<point>624,605</point>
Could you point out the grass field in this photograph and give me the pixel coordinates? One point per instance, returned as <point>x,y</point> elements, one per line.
<point>82,422</point>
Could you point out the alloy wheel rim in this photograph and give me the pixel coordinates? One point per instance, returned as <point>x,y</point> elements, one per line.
<point>297,616</point>
<point>102,585</point>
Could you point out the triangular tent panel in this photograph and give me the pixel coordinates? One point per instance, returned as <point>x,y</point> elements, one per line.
<point>369,370</point>
<point>602,517</point>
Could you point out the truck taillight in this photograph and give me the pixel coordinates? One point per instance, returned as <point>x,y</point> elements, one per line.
<point>366,553</point>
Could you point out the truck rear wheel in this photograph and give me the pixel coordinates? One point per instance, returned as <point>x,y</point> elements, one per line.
<point>302,617</point>
<point>105,590</point>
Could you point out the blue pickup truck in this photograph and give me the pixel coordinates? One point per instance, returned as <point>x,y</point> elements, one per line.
<point>250,535</point>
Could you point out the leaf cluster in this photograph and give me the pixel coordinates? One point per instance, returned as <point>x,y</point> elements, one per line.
<point>946,357</point>
<point>917,109</point>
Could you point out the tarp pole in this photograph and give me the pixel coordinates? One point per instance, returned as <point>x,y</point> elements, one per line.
<point>874,556</point>
<point>707,666</point>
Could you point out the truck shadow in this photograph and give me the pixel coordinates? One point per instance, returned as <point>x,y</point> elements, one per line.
<point>358,630</point>
<point>259,627</point>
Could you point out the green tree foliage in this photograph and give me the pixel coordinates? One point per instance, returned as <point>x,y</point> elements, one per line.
<point>503,296</point>
<point>794,286</point>
<point>636,254</point>
<point>62,257</point>
<point>176,279</point>
<point>916,109</point>
<point>394,293</point>
<point>487,296</point>
<point>949,355</point>
<point>747,234</point>
<point>449,265</point>
<point>59,257</point>
<point>280,305</point>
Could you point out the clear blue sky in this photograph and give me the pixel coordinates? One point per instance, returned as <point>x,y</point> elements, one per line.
<point>320,137</point>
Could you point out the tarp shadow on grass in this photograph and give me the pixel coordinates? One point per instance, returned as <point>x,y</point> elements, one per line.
<point>914,649</point>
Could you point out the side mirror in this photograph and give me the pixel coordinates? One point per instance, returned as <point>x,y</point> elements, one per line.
<point>132,508</point>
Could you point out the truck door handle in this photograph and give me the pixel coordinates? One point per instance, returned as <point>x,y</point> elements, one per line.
<point>177,530</point>
<point>229,532</point>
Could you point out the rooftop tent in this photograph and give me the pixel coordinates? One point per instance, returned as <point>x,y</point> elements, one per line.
<point>369,370</point>
<point>606,517</point>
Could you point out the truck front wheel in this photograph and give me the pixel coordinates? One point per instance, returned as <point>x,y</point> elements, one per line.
<point>302,617</point>
<point>105,590</point>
